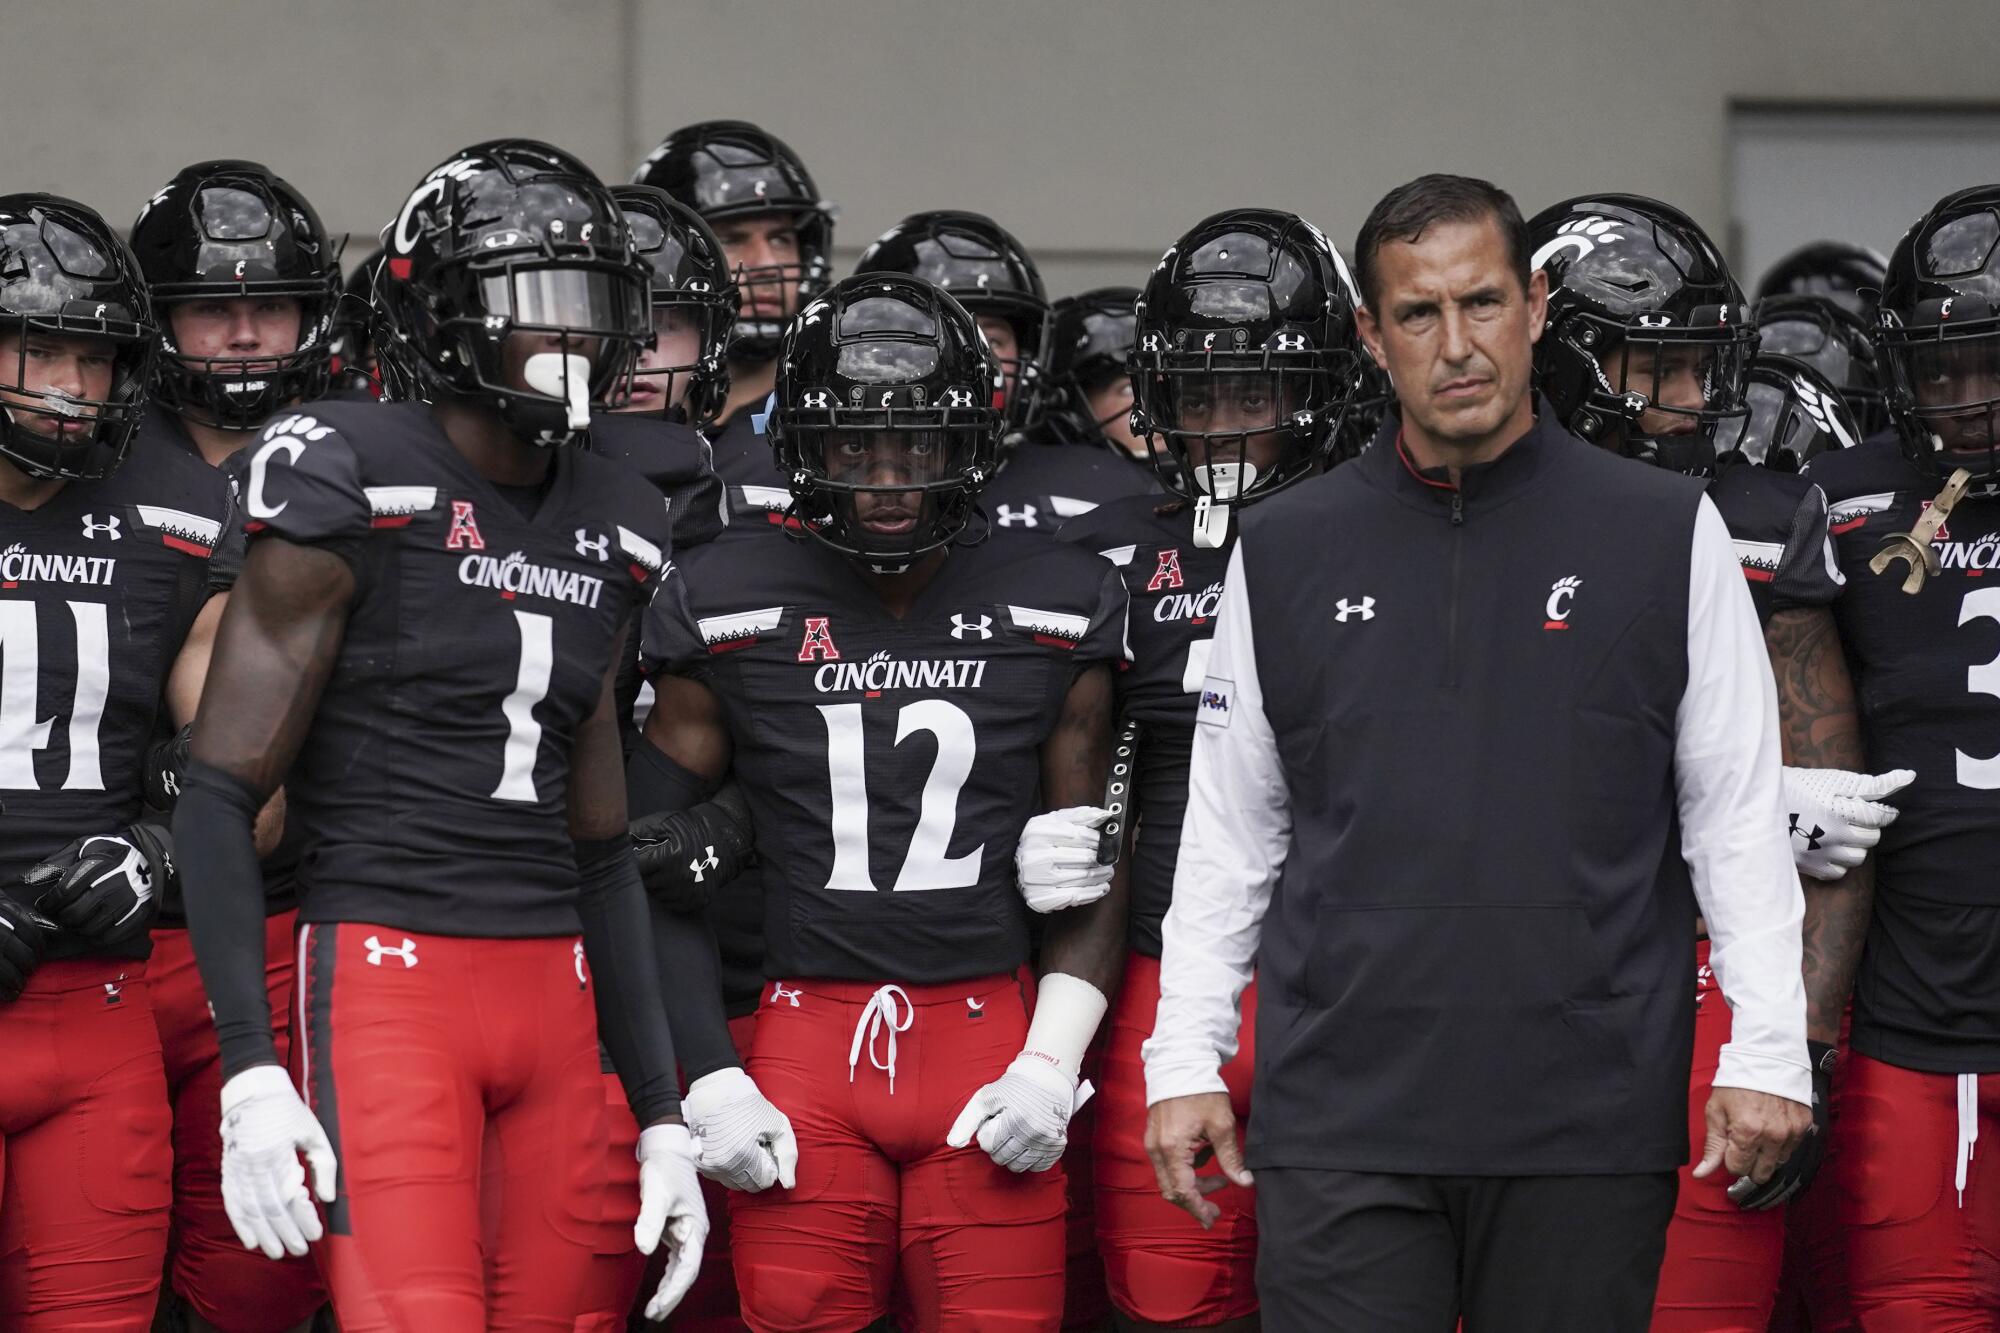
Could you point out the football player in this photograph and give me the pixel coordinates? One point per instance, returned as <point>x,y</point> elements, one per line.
<point>352,341</point>
<point>1040,482</point>
<point>1226,428</point>
<point>1645,351</point>
<point>777,234</point>
<point>1922,1083</point>
<point>244,285</point>
<point>430,622</point>
<point>112,562</point>
<point>1847,274</point>
<point>1091,336</point>
<point>892,695</point>
<point>1820,332</point>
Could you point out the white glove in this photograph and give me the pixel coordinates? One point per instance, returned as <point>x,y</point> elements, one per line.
<point>265,1126</point>
<point>1056,860</point>
<point>1836,816</point>
<point>1022,1117</point>
<point>670,1202</point>
<point>745,1142</point>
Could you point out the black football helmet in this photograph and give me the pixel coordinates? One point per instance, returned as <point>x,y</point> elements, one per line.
<point>64,273</point>
<point>1638,279</point>
<point>1844,273</point>
<point>1251,304</point>
<point>1795,414</point>
<point>884,424</point>
<point>1091,337</point>
<point>1834,341</point>
<point>1938,330</point>
<point>690,276</point>
<point>353,339</point>
<point>227,229</point>
<point>724,169</point>
<point>989,273</point>
<point>512,236</point>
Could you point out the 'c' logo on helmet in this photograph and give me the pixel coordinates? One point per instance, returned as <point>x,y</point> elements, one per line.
<point>239,266</point>
<point>404,238</point>
<point>1579,234</point>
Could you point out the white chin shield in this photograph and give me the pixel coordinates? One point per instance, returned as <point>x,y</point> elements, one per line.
<point>564,376</point>
<point>1219,483</point>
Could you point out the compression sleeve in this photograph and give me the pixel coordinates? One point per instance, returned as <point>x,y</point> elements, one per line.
<point>223,896</point>
<point>631,1015</point>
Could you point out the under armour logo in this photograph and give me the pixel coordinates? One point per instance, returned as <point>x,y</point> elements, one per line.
<point>818,399</point>
<point>598,546</point>
<point>1024,516</point>
<point>957,397</point>
<point>582,978</point>
<point>377,951</point>
<point>1288,342</point>
<point>170,783</point>
<point>1812,838</point>
<point>91,527</point>
<point>961,627</point>
<point>790,997</point>
<point>704,863</point>
<point>1365,608</point>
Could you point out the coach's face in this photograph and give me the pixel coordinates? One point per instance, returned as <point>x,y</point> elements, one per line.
<point>1454,328</point>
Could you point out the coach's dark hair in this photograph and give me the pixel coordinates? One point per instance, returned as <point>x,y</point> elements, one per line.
<point>1408,210</point>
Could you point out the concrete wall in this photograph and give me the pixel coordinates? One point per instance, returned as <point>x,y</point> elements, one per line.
<point>1096,131</point>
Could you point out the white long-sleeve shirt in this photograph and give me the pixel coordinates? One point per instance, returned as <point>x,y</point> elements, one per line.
<point>1733,838</point>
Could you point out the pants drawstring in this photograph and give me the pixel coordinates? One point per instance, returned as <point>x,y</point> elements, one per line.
<point>877,1016</point>
<point>1968,1127</point>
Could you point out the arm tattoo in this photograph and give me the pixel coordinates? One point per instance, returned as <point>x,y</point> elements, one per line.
<point>1820,727</point>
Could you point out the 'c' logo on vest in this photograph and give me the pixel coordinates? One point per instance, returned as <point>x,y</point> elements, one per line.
<point>1562,593</point>
<point>818,643</point>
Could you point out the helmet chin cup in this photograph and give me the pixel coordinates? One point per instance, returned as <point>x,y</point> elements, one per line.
<point>566,377</point>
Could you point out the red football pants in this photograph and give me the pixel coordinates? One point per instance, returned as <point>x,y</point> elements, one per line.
<point>458,1080</point>
<point>1162,1268</point>
<point>1812,1296</point>
<point>236,1290</point>
<point>977,1247</point>
<point>1720,1274</point>
<point>620,1273</point>
<point>1919,1259</point>
<point>85,1152</point>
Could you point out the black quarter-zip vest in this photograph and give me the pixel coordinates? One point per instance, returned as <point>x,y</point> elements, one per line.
<point>1477,959</point>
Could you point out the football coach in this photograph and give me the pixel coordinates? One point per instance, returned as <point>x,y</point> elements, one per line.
<point>1488,719</point>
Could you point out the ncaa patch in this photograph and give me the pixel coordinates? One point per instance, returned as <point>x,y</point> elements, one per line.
<point>1218,697</point>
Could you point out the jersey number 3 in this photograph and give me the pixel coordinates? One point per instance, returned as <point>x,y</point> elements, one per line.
<point>1983,678</point>
<point>926,866</point>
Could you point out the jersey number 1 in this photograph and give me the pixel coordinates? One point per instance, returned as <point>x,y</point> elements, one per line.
<point>531,686</point>
<point>21,733</point>
<point>926,866</point>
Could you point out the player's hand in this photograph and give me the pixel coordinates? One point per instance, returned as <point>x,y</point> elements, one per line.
<point>1750,1134</point>
<point>265,1126</point>
<point>164,765</point>
<point>1056,860</point>
<point>1836,816</point>
<point>1180,1134</point>
<point>1021,1118</point>
<point>670,1203</point>
<point>685,855</point>
<point>1800,1168</point>
<point>103,888</point>
<point>745,1142</point>
<point>24,940</point>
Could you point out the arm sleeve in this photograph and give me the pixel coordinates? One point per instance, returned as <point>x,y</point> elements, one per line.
<point>1809,570</point>
<point>683,942</point>
<point>631,1013</point>
<point>1233,845</point>
<point>1726,776</point>
<point>213,823</point>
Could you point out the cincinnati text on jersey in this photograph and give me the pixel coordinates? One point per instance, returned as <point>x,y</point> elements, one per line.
<point>516,576</point>
<point>883,672</point>
<point>18,565</point>
<point>1974,557</point>
<point>1195,606</point>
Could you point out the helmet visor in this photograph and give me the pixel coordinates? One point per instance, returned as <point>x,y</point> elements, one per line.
<point>575,300</point>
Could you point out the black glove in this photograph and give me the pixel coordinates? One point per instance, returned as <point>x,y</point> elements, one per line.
<point>24,938</point>
<point>106,888</point>
<point>685,855</point>
<point>164,764</point>
<point>1800,1168</point>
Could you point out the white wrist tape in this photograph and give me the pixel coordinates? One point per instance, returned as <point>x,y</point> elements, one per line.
<point>1067,1012</point>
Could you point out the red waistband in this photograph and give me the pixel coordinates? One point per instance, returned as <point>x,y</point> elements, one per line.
<point>920,996</point>
<point>69,974</point>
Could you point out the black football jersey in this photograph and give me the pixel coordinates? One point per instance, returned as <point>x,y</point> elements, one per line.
<point>679,463</point>
<point>1175,587</point>
<point>889,765</point>
<point>1927,674</point>
<point>431,784</point>
<point>98,589</point>
<point>743,452</point>
<point>1043,484</point>
<point>1778,522</point>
